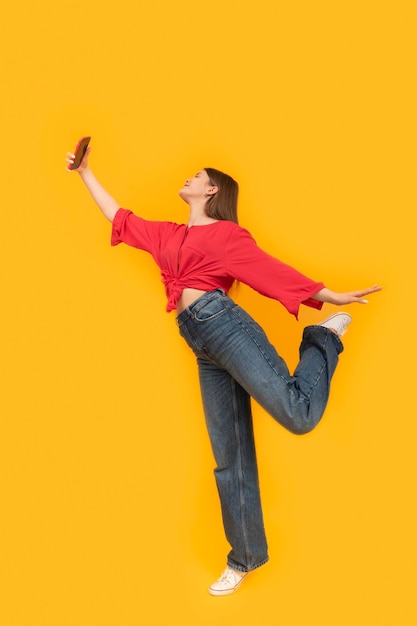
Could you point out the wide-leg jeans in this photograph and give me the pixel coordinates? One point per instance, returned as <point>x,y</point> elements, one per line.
<point>236,361</point>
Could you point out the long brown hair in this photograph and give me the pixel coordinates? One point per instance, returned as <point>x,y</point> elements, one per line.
<point>223,204</point>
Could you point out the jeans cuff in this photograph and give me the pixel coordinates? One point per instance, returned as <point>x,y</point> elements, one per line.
<point>241,568</point>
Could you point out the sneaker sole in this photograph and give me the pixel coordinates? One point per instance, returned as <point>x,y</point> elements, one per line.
<point>331,317</point>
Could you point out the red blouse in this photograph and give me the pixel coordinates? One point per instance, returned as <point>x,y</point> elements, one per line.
<point>213,256</point>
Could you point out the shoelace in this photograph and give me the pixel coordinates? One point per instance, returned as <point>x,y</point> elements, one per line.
<point>228,576</point>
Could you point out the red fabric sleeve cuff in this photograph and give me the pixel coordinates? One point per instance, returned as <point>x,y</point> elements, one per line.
<point>118,220</point>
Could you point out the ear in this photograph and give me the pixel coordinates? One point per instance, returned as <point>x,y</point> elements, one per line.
<point>212,190</point>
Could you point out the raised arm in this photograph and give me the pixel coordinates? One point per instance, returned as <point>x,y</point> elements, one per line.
<point>105,202</point>
<point>333,297</point>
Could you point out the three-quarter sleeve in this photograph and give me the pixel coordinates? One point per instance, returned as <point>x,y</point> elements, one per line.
<point>135,231</point>
<point>253,266</point>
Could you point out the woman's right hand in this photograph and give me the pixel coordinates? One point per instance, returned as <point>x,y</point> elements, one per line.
<point>83,165</point>
<point>105,202</point>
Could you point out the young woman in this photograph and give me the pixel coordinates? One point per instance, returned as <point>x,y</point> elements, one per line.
<point>199,262</point>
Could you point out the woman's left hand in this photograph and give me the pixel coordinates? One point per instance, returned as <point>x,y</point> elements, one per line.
<point>333,297</point>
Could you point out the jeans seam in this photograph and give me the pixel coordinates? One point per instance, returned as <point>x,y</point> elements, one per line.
<point>254,326</point>
<point>190,338</point>
<point>240,472</point>
<point>246,328</point>
<point>215,316</point>
<point>323,368</point>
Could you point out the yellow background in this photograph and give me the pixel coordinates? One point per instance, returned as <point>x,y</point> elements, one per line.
<point>109,513</point>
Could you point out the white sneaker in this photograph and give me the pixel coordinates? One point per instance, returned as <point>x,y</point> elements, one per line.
<point>229,582</point>
<point>338,322</point>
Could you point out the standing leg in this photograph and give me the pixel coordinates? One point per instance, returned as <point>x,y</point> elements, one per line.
<point>229,422</point>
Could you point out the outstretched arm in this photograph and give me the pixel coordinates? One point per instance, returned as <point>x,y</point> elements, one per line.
<point>105,202</point>
<point>333,297</point>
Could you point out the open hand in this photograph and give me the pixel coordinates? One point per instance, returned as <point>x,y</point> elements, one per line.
<point>334,297</point>
<point>356,296</point>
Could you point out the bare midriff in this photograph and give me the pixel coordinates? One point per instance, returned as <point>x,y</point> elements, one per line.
<point>187,297</point>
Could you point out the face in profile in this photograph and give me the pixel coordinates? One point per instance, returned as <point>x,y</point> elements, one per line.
<point>197,187</point>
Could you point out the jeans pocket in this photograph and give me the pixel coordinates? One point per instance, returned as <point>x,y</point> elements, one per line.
<point>210,310</point>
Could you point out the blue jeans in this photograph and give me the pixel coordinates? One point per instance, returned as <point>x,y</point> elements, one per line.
<point>236,361</point>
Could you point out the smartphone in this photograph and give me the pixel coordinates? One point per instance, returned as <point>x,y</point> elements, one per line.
<point>79,152</point>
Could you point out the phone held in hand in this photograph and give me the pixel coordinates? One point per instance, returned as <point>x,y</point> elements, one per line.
<point>79,152</point>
